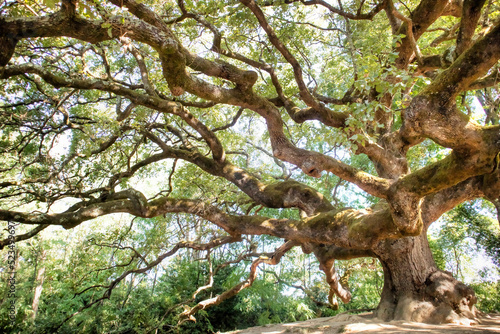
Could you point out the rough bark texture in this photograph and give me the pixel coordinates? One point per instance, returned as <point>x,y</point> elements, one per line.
<point>178,118</point>
<point>416,290</point>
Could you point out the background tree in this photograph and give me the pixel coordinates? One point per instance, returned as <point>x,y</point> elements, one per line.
<point>207,120</point>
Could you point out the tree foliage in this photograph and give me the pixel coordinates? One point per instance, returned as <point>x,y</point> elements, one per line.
<point>199,141</point>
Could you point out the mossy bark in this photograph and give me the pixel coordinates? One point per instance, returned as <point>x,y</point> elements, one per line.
<point>416,290</point>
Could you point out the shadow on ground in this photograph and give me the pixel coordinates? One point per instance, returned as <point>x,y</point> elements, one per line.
<point>365,323</point>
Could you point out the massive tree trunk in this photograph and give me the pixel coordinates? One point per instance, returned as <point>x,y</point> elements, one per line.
<point>107,151</point>
<point>416,290</point>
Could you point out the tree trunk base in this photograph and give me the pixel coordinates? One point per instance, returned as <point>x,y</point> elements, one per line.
<point>442,299</point>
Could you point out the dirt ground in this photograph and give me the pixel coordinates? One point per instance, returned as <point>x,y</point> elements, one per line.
<point>365,323</point>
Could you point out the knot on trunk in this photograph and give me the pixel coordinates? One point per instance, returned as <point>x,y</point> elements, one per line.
<point>406,212</point>
<point>453,293</point>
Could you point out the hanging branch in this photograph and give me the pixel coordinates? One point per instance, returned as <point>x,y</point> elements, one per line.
<point>188,314</point>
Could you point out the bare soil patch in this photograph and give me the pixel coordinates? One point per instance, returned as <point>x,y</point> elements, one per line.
<point>365,323</point>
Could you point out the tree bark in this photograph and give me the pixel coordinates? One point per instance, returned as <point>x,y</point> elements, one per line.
<point>416,290</point>
<point>39,279</point>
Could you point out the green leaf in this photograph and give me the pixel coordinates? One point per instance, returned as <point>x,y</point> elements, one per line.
<point>51,3</point>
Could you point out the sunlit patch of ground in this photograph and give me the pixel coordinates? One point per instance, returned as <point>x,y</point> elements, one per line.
<point>365,323</point>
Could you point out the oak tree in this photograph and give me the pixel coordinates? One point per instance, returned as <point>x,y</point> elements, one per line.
<point>100,96</point>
